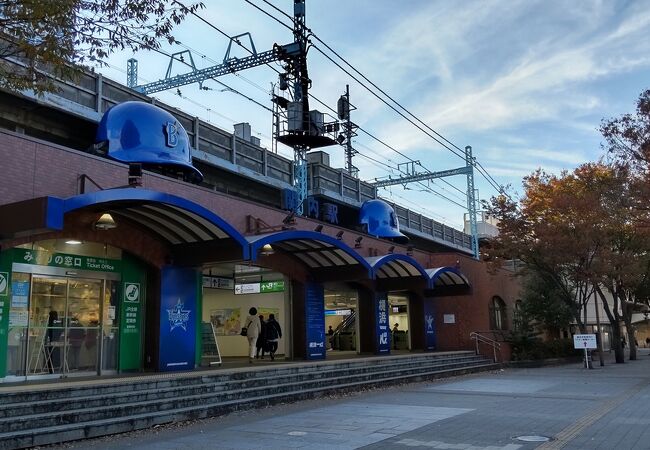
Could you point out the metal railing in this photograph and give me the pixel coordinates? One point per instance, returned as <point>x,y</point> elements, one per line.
<point>480,338</point>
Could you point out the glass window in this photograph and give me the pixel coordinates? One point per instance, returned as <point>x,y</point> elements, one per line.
<point>517,318</point>
<point>498,314</point>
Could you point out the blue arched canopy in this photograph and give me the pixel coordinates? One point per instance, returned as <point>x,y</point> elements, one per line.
<point>318,252</point>
<point>448,279</point>
<point>176,220</point>
<point>396,265</point>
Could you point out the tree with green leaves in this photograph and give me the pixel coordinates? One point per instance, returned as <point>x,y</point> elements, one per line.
<point>542,303</point>
<point>56,37</point>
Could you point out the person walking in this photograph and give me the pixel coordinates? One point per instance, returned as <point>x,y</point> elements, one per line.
<point>273,335</point>
<point>253,328</point>
<point>261,339</point>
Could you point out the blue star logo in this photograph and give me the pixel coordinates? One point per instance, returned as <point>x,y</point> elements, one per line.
<point>178,317</point>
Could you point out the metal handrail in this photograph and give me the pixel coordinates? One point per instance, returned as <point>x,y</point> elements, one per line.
<point>477,337</point>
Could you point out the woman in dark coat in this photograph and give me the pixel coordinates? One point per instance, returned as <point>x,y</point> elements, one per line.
<point>273,335</point>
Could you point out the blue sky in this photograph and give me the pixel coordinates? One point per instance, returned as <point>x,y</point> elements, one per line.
<point>525,83</point>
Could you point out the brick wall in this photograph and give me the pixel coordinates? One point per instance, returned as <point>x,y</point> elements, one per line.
<point>34,168</point>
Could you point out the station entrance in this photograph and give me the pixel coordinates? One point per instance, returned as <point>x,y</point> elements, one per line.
<point>229,291</point>
<point>341,324</point>
<point>399,320</point>
<point>63,321</point>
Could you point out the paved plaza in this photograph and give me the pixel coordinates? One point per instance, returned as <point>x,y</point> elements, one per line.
<point>604,408</point>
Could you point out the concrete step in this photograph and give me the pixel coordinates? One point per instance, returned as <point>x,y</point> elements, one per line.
<point>95,428</point>
<point>17,406</point>
<point>100,408</point>
<point>195,379</point>
<point>63,414</point>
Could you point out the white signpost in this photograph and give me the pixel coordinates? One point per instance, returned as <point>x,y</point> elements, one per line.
<point>585,341</point>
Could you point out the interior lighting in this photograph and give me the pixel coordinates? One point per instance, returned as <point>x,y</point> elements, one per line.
<point>267,249</point>
<point>73,242</point>
<point>105,222</point>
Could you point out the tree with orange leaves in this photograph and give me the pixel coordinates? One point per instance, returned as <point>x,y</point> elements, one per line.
<point>579,231</point>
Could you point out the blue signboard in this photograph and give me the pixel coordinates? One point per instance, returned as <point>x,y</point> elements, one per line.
<point>381,322</point>
<point>178,314</point>
<point>315,320</point>
<point>19,294</point>
<point>429,325</point>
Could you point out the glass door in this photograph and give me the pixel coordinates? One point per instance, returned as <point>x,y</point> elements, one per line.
<point>64,325</point>
<point>46,337</point>
<point>110,327</point>
<point>83,324</point>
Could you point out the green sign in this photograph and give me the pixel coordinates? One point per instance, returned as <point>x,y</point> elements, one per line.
<point>65,260</point>
<point>271,286</point>
<point>132,313</point>
<point>5,268</point>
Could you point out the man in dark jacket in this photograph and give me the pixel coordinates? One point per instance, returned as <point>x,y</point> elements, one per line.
<point>273,335</point>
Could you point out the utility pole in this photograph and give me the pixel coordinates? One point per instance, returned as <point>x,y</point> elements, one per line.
<point>300,96</point>
<point>305,130</point>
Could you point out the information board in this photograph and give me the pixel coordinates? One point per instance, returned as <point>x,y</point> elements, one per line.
<point>587,341</point>
<point>315,320</point>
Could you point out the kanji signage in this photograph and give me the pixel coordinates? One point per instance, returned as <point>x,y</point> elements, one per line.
<point>381,321</point>
<point>584,341</point>
<point>65,260</point>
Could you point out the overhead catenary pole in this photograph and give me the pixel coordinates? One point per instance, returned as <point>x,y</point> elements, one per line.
<point>467,169</point>
<point>349,130</point>
<point>295,57</point>
<point>300,93</point>
<point>471,200</point>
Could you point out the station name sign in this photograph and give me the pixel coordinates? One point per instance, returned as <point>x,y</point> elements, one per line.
<point>65,260</point>
<point>328,212</point>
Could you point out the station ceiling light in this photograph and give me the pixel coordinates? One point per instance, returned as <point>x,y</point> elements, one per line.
<point>105,222</point>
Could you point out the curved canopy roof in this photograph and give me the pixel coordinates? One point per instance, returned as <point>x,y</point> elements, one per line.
<point>446,277</point>
<point>177,220</point>
<point>315,250</point>
<point>395,265</point>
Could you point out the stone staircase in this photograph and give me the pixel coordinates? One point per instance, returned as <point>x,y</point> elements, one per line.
<point>78,410</point>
